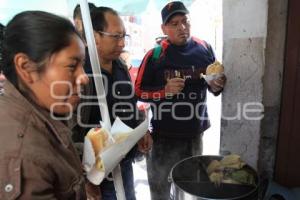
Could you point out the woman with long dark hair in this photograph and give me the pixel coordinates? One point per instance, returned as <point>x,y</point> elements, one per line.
<point>43,58</point>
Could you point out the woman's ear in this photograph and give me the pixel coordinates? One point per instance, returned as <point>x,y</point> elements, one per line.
<point>25,68</point>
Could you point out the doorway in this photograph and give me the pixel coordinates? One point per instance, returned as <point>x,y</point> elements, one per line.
<point>287,163</point>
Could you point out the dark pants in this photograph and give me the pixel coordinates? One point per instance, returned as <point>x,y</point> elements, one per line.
<point>165,153</point>
<point>108,189</point>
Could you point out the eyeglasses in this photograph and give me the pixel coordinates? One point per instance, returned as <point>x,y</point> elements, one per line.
<point>115,36</point>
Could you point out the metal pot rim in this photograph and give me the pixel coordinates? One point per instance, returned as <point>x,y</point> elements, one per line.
<point>171,180</point>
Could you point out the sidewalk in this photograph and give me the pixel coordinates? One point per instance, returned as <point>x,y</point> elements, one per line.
<point>211,144</point>
<point>141,186</point>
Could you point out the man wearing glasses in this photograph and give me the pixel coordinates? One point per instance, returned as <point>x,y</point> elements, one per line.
<point>169,78</point>
<point>110,38</point>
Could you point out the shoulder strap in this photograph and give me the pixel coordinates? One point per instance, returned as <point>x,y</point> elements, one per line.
<point>159,49</point>
<point>156,52</point>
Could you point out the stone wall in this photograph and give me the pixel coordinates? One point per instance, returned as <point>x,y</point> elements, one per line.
<point>245,32</point>
<point>253,54</point>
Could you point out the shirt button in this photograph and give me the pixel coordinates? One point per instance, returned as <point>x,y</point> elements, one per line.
<point>9,188</point>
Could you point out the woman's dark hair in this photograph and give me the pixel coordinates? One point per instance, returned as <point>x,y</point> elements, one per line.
<point>98,17</point>
<point>1,44</point>
<point>37,34</point>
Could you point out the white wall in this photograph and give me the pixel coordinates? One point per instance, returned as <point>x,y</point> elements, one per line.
<point>245,18</point>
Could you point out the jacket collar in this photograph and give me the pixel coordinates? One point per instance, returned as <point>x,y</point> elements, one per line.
<point>60,131</point>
